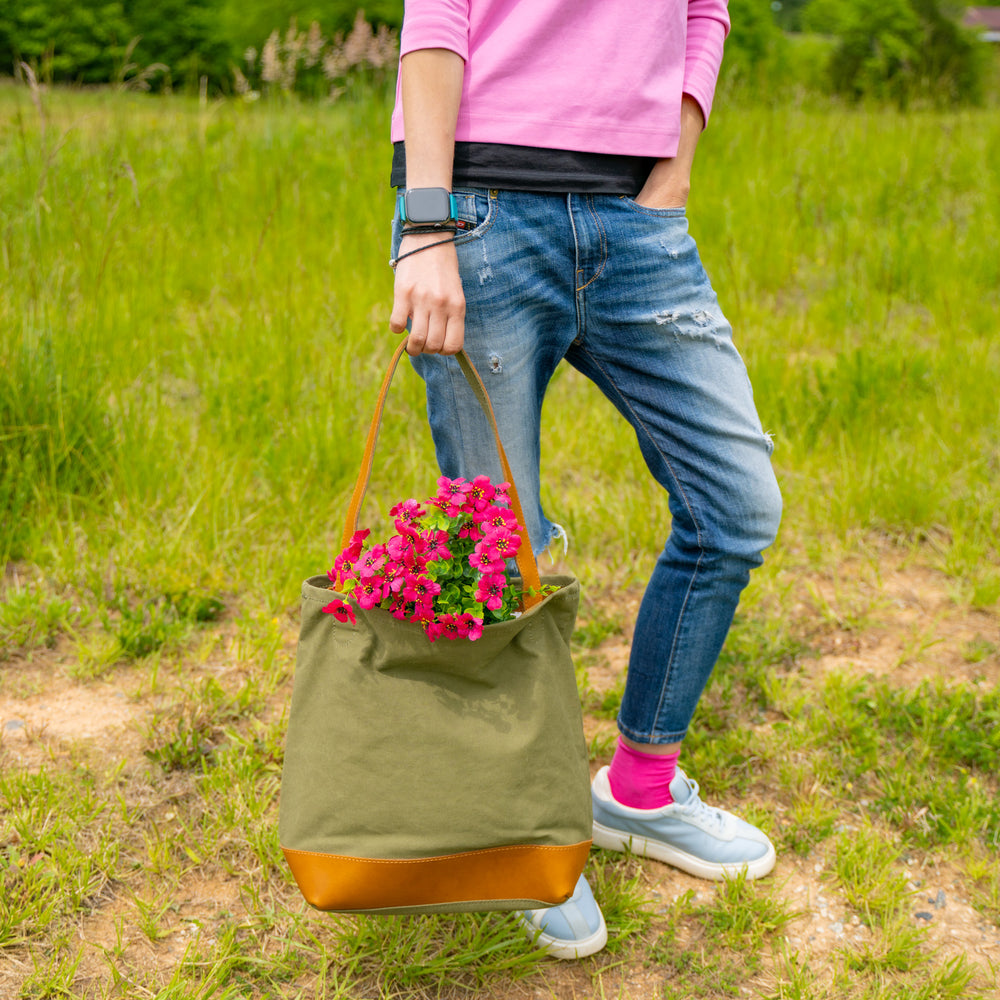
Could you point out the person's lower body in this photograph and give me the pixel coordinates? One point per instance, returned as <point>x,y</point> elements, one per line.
<point>618,291</point>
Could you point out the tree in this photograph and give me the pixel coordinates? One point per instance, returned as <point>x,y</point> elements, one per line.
<point>186,35</point>
<point>81,40</point>
<point>900,49</point>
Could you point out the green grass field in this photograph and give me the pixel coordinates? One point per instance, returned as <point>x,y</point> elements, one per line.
<point>193,307</point>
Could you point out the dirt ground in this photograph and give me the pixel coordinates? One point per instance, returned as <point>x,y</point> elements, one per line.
<point>901,624</point>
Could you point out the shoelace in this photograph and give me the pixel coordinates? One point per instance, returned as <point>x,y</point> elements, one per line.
<point>695,806</point>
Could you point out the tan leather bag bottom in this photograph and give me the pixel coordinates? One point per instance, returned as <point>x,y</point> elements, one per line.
<point>525,876</point>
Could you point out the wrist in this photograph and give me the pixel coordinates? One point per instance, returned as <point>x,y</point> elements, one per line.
<point>423,237</point>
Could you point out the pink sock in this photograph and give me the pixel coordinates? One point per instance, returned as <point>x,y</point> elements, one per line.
<point>641,780</point>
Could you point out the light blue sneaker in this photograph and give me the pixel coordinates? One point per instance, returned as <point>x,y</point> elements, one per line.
<point>574,929</point>
<point>706,842</point>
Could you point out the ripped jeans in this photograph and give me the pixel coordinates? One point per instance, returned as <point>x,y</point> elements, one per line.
<point>619,292</point>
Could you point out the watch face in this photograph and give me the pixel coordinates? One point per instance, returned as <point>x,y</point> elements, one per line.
<point>427,205</point>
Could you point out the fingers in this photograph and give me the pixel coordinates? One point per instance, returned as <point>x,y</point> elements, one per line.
<point>439,329</point>
<point>428,294</point>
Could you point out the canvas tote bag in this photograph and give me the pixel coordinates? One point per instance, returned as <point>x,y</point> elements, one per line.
<point>436,777</point>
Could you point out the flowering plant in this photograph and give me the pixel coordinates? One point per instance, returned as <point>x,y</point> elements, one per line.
<point>445,569</point>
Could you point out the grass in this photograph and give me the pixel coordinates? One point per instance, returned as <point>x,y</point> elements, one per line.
<point>193,307</point>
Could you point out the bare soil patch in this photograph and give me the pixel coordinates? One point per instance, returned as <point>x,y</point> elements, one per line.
<point>900,623</point>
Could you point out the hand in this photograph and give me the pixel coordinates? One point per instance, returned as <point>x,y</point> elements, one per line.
<point>667,186</point>
<point>428,292</point>
<point>669,182</point>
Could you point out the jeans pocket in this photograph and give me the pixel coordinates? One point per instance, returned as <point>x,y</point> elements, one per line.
<point>656,213</point>
<point>475,212</point>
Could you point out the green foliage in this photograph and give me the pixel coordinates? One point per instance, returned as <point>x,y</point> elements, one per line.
<point>186,36</point>
<point>755,45</point>
<point>81,40</point>
<point>99,41</point>
<point>247,25</point>
<point>899,50</point>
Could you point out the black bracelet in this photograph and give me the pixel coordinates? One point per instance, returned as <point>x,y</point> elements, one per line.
<point>437,227</point>
<point>409,253</point>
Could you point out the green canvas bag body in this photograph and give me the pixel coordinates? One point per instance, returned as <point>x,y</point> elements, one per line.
<point>428,777</point>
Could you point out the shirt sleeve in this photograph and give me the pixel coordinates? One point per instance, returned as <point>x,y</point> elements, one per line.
<point>707,27</point>
<point>435,24</point>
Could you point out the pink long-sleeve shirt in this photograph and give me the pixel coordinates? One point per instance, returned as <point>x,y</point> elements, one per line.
<point>601,76</point>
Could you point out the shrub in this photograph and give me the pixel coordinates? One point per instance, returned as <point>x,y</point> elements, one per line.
<point>80,40</point>
<point>901,50</point>
<point>311,64</point>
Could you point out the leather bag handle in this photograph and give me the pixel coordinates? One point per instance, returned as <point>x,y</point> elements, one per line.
<point>526,562</point>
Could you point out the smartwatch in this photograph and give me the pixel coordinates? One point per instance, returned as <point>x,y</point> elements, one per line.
<point>427,206</point>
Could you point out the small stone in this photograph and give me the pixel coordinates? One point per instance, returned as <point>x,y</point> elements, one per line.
<point>11,724</point>
<point>939,900</point>
<point>924,915</point>
<point>837,928</point>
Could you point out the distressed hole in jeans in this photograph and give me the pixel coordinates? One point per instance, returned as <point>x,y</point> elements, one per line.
<point>496,364</point>
<point>485,272</point>
<point>690,328</point>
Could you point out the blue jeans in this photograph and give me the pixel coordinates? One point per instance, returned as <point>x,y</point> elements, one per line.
<point>619,292</point>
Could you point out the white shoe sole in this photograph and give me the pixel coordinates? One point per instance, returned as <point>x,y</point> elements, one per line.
<point>615,840</point>
<point>560,948</point>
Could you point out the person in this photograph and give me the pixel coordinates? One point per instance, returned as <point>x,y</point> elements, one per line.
<point>543,155</point>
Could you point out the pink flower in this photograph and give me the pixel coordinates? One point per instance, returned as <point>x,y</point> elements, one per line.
<point>490,594</point>
<point>451,495</point>
<point>421,589</point>
<point>373,560</point>
<point>493,579</point>
<point>342,567</point>
<point>357,542</point>
<point>407,516</point>
<point>446,625</point>
<point>423,614</point>
<point>481,493</point>
<point>340,610</point>
<point>500,495</point>
<point>469,626</point>
<point>421,574</point>
<point>437,545</point>
<point>470,530</point>
<point>496,518</point>
<point>407,550</point>
<point>503,544</point>
<point>370,591</point>
<point>484,560</point>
